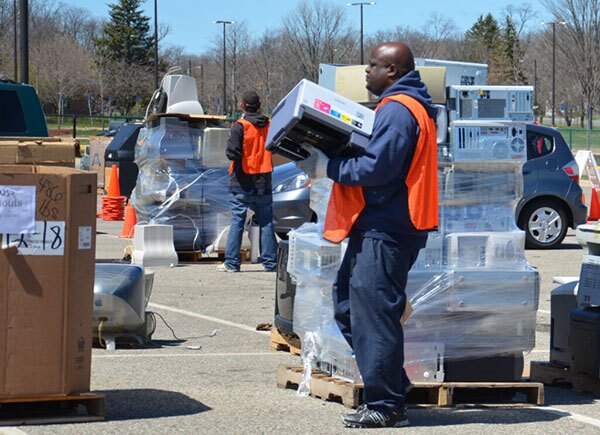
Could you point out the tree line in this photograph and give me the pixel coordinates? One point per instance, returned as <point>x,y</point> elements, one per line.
<point>80,63</point>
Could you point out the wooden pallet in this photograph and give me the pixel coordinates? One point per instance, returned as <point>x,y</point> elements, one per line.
<point>195,256</point>
<point>284,342</point>
<point>51,409</point>
<point>555,375</point>
<point>438,394</point>
<point>189,256</point>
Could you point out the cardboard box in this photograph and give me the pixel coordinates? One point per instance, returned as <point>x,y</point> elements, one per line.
<point>53,151</point>
<point>349,81</point>
<point>98,146</point>
<point>46,280</point>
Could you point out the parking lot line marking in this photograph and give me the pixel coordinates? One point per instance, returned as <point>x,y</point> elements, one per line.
<point>577,417</point>
<point>11,431</point>
<point>209,318</point>
<point>193,354</point>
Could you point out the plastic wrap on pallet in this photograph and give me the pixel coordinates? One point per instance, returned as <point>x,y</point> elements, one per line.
<point>473,292</point>
<point>183,179</point>
<point>320,190</point>
<point>468,184</point>
<point>312,257</point>
<point>459,313</point>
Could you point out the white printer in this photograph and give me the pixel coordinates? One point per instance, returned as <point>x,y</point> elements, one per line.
<point>312,114</point>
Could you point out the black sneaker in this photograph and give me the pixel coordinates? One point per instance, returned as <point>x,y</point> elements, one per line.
<point>369,418</point>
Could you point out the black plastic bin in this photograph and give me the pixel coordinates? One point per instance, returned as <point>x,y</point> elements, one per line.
<point>121,151</point>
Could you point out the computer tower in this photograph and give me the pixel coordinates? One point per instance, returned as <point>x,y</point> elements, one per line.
<point>285,290</point>
<point>585,341</point>
<point>563,300</point>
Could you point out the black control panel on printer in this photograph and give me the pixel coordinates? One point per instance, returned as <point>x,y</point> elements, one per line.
<point>332,142</point>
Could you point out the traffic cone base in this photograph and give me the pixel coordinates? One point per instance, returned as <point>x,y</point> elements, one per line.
<point>130,221</point>
<point>113,204</point>
<point>594,210</point>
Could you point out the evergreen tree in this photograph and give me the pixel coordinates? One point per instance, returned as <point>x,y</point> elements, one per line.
<point>485,31</point>
<point>127,35</point>
<point>483,44</point>
<point>511,55</point>
<point>124,55</point>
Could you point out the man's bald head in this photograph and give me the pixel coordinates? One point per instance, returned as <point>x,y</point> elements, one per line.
<point>387,63</point>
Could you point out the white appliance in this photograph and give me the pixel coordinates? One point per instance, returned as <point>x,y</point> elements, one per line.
<point>458,73</point>
<point>488,140</point>
<point>182,96</point>
<point>509,103</point>
<point>312,114</point>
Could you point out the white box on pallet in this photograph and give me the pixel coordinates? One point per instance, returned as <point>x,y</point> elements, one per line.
<point>488,140</point>
<point>501,250</point>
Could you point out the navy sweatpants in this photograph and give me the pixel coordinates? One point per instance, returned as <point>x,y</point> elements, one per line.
<point>369,299</point>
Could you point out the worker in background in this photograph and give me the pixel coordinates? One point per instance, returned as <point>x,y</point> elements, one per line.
<point>385,201</point>
<point>250,184</point>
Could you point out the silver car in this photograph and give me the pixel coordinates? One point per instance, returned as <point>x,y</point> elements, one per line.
<point>551,203</point>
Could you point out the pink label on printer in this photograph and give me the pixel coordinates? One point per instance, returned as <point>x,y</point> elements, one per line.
<point>322,106</point>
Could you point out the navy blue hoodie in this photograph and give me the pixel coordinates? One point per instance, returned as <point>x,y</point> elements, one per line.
<point>381,170</point>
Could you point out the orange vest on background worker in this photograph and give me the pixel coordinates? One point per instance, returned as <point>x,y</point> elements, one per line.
<point>347,202</point>
<point>255,158</point>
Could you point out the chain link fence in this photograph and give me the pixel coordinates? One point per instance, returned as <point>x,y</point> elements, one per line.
<point>582,139</point>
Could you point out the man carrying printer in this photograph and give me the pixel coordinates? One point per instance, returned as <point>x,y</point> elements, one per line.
<point>385,201</point>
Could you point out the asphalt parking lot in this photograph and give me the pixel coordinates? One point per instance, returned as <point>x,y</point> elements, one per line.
<point>228,385</point>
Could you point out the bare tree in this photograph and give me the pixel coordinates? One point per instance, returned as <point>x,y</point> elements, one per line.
<point>311,33</point>
<point>579,41</point>
<point>62,67</point>
<point>441,38</point>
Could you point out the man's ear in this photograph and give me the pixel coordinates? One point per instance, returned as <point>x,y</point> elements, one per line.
<point>393,72</point>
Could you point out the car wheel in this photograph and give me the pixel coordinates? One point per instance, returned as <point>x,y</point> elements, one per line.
<point>545,224</point>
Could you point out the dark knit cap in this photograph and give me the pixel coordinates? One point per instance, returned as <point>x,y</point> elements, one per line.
<point>251,101</point>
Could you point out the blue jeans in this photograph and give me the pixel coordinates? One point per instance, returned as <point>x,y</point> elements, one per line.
<point>369,299</point>
<point>239,203</point>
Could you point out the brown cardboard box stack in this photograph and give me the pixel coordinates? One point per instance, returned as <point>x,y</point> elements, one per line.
<point>46,280</point>
<point>54,151</point>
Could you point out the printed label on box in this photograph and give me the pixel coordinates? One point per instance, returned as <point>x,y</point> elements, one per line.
<point>85,238</point>
<point>17,209</point>
<point>48,239</point>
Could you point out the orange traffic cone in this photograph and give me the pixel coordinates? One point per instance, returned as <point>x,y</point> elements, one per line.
<point>130,221</point>
<point>113,182</point>
<point>113,204</point>
<point>594,211</point>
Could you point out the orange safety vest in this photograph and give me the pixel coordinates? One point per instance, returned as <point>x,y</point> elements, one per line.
<point>255,158</point>
<point>347,202</point>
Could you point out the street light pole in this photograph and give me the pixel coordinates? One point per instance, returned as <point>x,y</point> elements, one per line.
<point>553,24</point>
<point>15,73</point>
<point>535,88</point>
<point>155,44</point>
<point>361,4</point>
<point>224,22</point>
<point>24,39</point>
